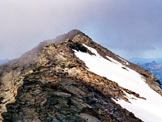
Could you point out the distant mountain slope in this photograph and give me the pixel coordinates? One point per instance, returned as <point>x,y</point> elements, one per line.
<point>153,67</point>
<point>3,61</point>
<point>145,60</point>
<point>74,79</point>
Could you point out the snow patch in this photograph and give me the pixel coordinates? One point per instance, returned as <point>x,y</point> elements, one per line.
<point>148,110</point>
<point>114,61</point>
<point>92,50</point>
<point>124,61</point>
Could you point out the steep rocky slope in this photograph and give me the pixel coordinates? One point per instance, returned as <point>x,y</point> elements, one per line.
<point>50,83</point>
<point>153,67</point>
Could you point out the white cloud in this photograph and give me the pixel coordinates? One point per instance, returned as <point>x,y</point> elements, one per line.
<point>136,25</point>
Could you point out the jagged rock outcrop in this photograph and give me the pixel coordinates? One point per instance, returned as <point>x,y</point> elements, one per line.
<point>49,83</point>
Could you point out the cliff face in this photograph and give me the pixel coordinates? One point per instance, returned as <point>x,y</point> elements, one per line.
<point>51,83</point>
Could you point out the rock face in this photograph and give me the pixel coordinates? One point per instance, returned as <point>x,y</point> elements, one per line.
<point>50,84</point>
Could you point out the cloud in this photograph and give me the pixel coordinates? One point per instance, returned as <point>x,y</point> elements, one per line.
<point>26,22</point>
<point>126,27</point>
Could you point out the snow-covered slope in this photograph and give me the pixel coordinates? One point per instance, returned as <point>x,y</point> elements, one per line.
<point>148,110</point>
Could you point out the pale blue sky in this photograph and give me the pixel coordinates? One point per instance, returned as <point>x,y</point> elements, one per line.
<point>131,28</point>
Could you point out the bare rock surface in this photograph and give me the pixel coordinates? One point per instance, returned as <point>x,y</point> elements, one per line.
<point>50,84</point>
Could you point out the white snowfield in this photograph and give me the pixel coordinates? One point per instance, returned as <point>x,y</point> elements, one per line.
<point>148,110</point>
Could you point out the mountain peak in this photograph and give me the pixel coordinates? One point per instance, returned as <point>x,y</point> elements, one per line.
<point>70,35</point>
<point>72,78</point>
<point>75,32</point>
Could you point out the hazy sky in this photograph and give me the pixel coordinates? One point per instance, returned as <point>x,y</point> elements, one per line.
<point>131,28</point>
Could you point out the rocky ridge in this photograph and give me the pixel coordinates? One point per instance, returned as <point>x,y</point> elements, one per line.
<point>50,83</point>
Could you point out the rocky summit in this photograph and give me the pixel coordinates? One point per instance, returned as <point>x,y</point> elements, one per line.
<point>52,83</point>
